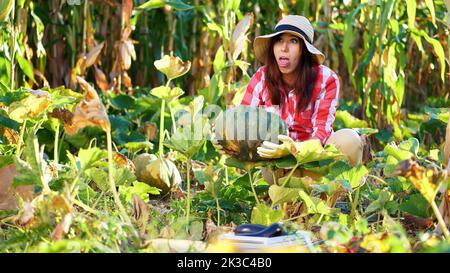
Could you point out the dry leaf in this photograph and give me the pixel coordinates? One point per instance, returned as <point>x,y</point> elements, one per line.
<point>127,9</point>
<point>11,135</point>
<point>238,37</point>
<point>31,106</point>
<point>89,112</point>
<point>8,194</point>
<point>126,80</point>
<point>100,79</point>
<point>63,115</point>
<point>62,228</point>
<point>26,215</point>
<point>92,56</point>
<point>140,213</point>
<point>447,145</point>
<point>150,130</point>
<point>123,161</point>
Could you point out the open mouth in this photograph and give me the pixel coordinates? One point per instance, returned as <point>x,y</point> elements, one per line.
<point>283,62</point>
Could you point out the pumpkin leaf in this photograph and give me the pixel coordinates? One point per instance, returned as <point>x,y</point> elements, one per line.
<point>312,150</point>
<point>280,195</point>
<point>139,188</point>
<point>264,215</point>
<point>172,67</point>
<point>314,205</point>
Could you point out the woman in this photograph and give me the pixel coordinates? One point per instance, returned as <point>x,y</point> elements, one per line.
<point>294,84</point>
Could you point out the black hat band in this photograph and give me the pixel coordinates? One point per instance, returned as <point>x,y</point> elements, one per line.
<point>292,28</point>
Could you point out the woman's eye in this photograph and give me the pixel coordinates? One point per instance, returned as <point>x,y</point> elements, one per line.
<point>294,41</point>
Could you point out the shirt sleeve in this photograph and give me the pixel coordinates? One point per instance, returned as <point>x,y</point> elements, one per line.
<point>252,96</point>
<point>325,107</point>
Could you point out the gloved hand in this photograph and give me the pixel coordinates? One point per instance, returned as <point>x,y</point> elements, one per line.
<point>271,150</point>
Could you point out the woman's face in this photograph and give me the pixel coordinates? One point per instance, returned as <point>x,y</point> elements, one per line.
<point>287,50</point>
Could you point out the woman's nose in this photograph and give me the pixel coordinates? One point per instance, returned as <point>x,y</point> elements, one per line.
<point>284,46</point>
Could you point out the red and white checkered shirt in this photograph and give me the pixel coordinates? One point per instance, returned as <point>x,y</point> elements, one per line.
<point>316,121</point>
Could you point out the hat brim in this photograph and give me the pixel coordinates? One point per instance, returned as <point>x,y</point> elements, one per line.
<point>262,44</point>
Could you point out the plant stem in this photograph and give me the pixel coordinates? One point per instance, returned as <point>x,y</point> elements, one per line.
<point>378,179</point>
<point>226,176</point>
<point>289,176</point>
<point>13,53</point>
<point>56,150</point>
<point>354,204</point>
<point>218,211</point>
<point>112,185</point>
<point>161,127</point>
<point>253,187</point>
<point>22,132</point>
<point>188,205</point>
<point>441,221</point>
<point>85,207</point>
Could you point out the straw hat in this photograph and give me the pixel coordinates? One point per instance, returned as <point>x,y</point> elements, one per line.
<point>293,24</point>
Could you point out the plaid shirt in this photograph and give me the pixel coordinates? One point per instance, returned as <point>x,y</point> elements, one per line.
<point>316,121</point>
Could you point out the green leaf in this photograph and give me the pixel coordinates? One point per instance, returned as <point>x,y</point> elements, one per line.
<point>186,140</point>
<point>152,4</point>
<point>397,153</point>
<point>312,150</point>
<point>90,157</point>
<point>219,60</point>
<point>430,6</point>
<point>137,146</point>
<point>380,203</point>
<point>123,176</point>
<point>139,188</point>
<point>166,93</point>
<point>123,102</point>
<point>303,183</point>
<point>411,145</point>
<point>280,195</point>
<point>264,215</point>
<point>179,5</point>
<point>353,176</point>
<point>314,205</point>
<point>6,160</point>
<point>216,27</point>
<point>438,49</point>
<point>417,205</point>
<point>9,123</point>
<point>100,178</point>
<point>25,66</point>
<point>346,120</point>
<point>411,10</point>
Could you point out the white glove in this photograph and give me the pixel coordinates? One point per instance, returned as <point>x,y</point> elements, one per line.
<point>271,150</point>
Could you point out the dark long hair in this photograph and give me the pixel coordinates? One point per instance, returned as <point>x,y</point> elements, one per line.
<point>306,72</point>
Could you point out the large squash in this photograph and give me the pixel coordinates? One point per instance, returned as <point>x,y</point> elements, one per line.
<point>242,129</point>
<point>157,172</point>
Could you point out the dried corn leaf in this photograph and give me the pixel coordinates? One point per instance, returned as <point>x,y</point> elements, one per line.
<point>127,9</point>
<point>92,56</point>
<point>126,80</point>
<point>100,79</point>
<point>238,37</point>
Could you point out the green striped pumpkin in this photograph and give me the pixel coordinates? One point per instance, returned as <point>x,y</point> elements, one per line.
<point>242,129</point>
